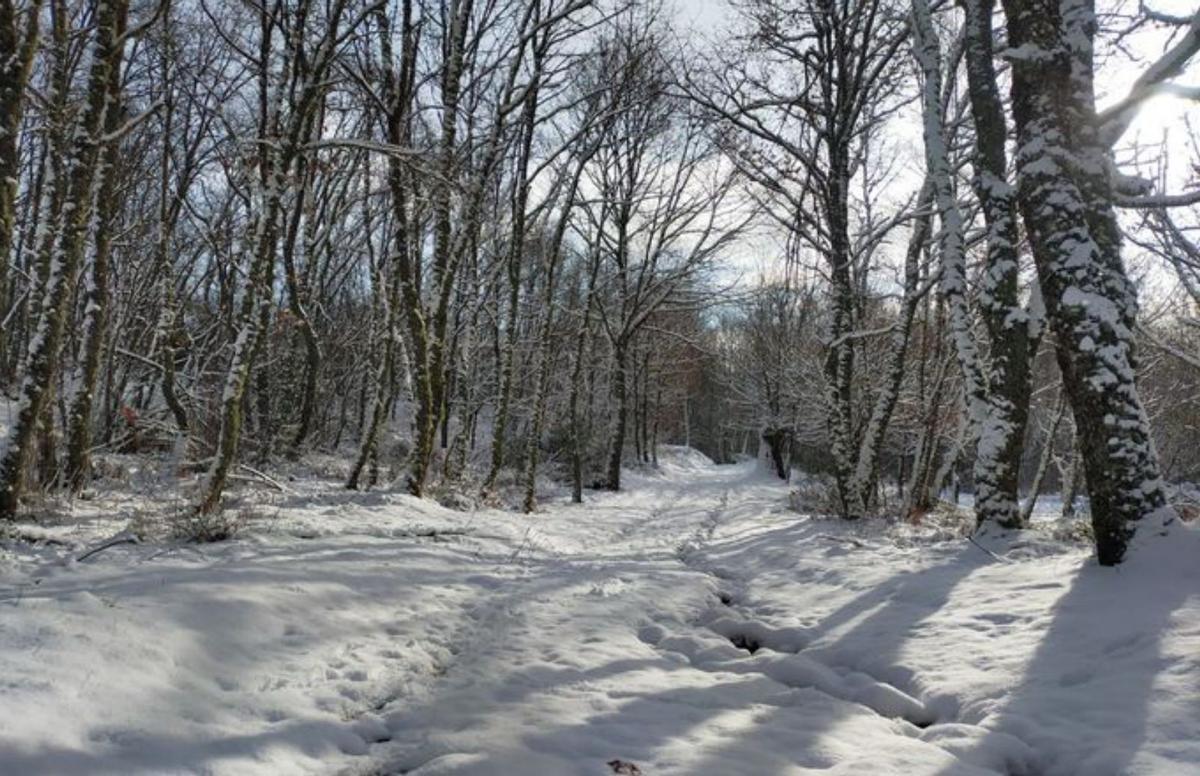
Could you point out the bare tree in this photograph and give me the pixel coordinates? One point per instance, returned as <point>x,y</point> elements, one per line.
<point>291,82</point>
<point>662,210</point>
<point>804,139</point>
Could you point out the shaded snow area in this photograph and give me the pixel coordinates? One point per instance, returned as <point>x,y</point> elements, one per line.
<point>692,625</point>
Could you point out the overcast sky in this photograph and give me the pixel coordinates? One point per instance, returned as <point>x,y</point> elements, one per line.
<point>703,15</point>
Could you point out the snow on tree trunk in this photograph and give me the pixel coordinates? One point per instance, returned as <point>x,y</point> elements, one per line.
<point>839,358</point>
<point>386,300</point>
<point>951,247</point>
<point>253,320</point>
<point>69,235</point>
<point>544,355</point>
<point>167,329</point>
<point>96,298</point>
<point>1012,330</point>
<point>298,297</point>
<point>1065,196</point>
<point>579,437</point>
<point>515,257</point>
<point>15,68</point>
<point>291,87</point>
<point>453,232</point>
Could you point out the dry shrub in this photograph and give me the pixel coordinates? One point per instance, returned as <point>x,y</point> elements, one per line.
<point>218,526</point>
<point>815,496</point>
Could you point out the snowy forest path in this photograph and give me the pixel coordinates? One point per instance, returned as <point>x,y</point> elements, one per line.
<point>695,625</point>
<point>692,624</point>
<point>641,641</point>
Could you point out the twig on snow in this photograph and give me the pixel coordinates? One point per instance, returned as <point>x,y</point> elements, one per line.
<point>121,538</point>
<point>1000,558</point>
<point>274,483</point>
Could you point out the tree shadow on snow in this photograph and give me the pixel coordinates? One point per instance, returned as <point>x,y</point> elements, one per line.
<point>1085,700</point>
<point>735,723</point>
<point>869,635</point>
<point>137,753</point>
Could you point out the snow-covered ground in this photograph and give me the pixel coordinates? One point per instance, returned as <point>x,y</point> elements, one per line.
<point>692,625</point>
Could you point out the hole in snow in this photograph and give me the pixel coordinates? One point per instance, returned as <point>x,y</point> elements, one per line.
<point>725,598</point>
<point>742,641</point>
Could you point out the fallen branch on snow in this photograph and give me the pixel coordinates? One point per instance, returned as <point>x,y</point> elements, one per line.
<point>1000,558</point>
<point>256,475</point>
<point>121,538</point>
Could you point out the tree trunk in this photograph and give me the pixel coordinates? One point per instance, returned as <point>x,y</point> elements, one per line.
<point>839,358</point>
<point>866,466</point>
<point>1065,197</point>
<point>620,404</point>
<point>78,176</point>
<point>1073,481</point>
<point>96,300</point>
<point>255,312</point>
<point>579,437</point>
<point>1035,487</point>
<point>15,69</point>
<point>951,241</point>
<point>776,438</point>
<point>298,303</point>
<point>1012,331</point>
<point>255,316</point>
<point>544,358</point>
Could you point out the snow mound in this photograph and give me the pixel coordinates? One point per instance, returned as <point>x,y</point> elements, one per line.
<point>681,459</point>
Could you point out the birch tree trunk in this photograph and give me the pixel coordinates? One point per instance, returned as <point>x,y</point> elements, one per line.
<point>951,245</point>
